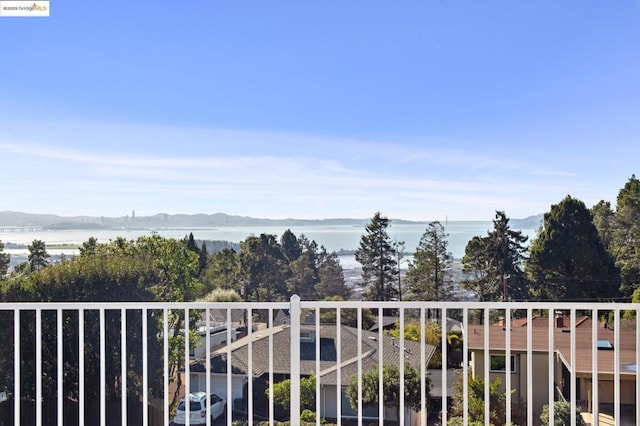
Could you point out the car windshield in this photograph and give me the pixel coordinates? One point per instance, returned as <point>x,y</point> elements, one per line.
<point>194,406</point>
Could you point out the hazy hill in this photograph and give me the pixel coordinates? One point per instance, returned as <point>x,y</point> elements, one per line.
<point>162,220</point>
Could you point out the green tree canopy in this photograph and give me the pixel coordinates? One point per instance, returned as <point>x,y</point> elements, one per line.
<point>390,387</point>
<point>331,278</point>
<point>291,246</point>
<point>496,261</point>
<point>476,263</point>
<point>626,236</point>
<point>89,247</point>
<point>148,269</point>
<point>476,398</point>
<point>303,266</point>
<point>38,256</point>
<point>282,393</point>
<point>378,259</point>
<point>568,260</point>
<point>348,316</point>
<point>604,220</point>
<point>507,253</point>
<point>5,258</point>
<point>264,268</point>
<point>223,271</point>
<point>428,274</point>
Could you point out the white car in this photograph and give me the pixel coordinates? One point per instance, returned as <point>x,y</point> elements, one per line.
<point>198,409</point>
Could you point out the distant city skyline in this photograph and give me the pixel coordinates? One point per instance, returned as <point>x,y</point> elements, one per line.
<point>422,111</point>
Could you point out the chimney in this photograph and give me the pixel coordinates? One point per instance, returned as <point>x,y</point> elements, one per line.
<point>559,320</point>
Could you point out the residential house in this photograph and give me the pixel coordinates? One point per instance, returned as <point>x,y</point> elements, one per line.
<point>608,348</point>
<point>327,337</point>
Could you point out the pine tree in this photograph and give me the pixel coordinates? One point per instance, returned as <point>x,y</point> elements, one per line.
<point>568,260</point>
<point>203,257</point>
<point>476,263</point>
<point>626,236</point>
<point>290,245</point>
<point>496,261</point>
<point>263,268</point>
<point>38,256</point>
<point>604,220</point>
<point>506,249</point>
<point>378,259</point>
<point>5,258</point>
<point>331,278</point>
<point>428,277</point>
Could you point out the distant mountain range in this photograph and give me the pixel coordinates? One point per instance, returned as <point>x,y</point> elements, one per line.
<point>162,220</point>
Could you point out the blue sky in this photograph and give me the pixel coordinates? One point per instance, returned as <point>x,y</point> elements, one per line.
<point>316,109</point>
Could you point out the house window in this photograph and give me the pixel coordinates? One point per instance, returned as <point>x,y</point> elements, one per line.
<point>497,364</point>
<point>306,336</point>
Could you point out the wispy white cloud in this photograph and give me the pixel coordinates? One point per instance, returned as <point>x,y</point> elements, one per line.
<point>234,172</point>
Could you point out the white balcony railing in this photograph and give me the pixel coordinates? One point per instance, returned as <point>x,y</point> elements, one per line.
<point>111,363</point>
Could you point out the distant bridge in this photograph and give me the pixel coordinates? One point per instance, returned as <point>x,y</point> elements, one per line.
<point>26,228</point>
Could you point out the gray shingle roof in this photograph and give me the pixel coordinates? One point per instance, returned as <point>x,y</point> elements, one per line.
<point>327,334</point>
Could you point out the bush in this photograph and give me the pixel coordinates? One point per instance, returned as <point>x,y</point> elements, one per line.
<point>459,421</point>
<point>307,416</point>
<point>562,414</point>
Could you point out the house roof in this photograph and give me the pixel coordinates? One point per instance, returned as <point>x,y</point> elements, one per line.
<point>387,322</point>
<point>562,344</point>
<point>327,335</point>
<point>220,315</point>
<point>540,321</point>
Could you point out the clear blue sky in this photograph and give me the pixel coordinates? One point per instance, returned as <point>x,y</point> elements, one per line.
<point>316,109</point>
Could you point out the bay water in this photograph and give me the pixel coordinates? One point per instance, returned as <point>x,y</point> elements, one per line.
<point>333,237</point>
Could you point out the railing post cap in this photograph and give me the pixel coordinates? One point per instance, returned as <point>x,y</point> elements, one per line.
<point>295,298</point>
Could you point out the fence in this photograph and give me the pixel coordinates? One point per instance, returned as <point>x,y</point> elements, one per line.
<point>102,363</point>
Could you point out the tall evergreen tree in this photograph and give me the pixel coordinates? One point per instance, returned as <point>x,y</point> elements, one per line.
<point>428,275</point>
<point>507,250</point>
<point>626,236</point>
<point>203,257</point>
<point>290,245</point>
<point>331,278</point>
<point>303,277</point>
<point>399,246</point>
<point>38,256</point>
<point>476,263</point>
<point>568,260</point>
<point>5,258</point>
<point>263,267</point>
<point>302,259</point>
<point>222,272</point>
<point>89,247</point>
<point>604,220</point>
<point>191,244</point>
<point>377,257</point>
<point>496,261</point>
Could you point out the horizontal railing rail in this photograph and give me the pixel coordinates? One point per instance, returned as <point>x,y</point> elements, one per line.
<point>127,363</point>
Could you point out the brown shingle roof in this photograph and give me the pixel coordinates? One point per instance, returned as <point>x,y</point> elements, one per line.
<point>562,344</point>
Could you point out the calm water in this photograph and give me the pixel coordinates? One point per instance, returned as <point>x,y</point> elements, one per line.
<point>331,237</point>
